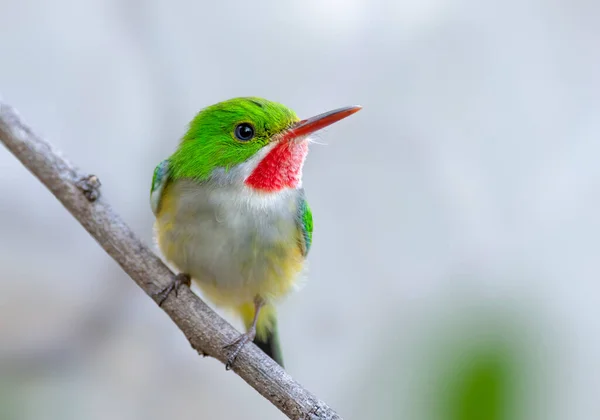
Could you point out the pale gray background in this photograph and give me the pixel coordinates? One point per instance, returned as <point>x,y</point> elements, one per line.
<point>467,189</point>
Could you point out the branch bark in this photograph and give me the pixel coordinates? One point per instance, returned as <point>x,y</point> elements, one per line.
<point>206,331</point>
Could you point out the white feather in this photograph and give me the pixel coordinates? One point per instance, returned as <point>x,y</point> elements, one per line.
<point>217,230</point>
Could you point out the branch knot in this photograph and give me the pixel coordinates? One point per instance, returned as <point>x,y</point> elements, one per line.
<point>90,186</point>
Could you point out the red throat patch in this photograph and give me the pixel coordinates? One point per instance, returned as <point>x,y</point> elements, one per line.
<point>280,168</point>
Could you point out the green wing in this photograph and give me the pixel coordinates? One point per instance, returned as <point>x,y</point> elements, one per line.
<point>304,220</point>
<point>159,180</point>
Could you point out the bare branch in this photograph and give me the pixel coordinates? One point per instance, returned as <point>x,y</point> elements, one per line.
<point>206,331</point>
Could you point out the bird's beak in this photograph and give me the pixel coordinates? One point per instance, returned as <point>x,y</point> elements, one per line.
<point>305,127</point>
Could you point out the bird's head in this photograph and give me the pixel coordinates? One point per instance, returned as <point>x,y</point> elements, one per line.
<point>249,141</point>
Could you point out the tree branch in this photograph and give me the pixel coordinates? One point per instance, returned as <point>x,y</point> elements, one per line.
<point>206,331</point>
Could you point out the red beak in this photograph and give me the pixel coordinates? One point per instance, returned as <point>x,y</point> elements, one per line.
<point>306,127</point>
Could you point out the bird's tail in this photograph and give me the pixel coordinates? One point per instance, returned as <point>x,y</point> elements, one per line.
<point>267,336</point>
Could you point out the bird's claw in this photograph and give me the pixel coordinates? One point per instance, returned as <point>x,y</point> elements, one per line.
<point>237,346</point>
<point>180,279</point>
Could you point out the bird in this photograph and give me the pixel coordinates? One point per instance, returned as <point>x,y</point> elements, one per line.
<point>231,214</point>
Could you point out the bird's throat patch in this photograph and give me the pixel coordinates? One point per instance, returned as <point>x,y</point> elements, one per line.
<point>281,168</point>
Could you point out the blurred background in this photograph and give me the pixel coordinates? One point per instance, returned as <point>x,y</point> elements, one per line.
<point>454,273</point>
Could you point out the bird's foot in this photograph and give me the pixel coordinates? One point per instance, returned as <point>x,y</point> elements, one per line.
<point>180,279</point>
<point>237,345</point>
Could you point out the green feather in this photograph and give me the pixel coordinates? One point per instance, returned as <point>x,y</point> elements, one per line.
<point>305,223</point>
<point>210,142</point>
<point>159,180</point>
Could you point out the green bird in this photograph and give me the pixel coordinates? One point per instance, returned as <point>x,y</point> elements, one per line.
<point>231,213</point>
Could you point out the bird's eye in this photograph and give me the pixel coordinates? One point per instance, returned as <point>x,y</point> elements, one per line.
<point>244,132</point>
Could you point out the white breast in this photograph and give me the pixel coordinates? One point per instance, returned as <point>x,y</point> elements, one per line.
<point>221,235</point>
